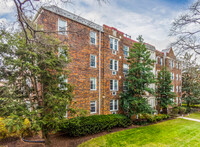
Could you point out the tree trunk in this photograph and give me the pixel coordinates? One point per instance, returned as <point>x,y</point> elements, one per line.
<point>45,136</point>
<point>188,104</point>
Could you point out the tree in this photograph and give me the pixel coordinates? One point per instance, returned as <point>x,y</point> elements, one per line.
<point>190,80</point>
<point>186,29</point>
<point>164,87</point>
<point>35,86</point>
<point>139,78</point>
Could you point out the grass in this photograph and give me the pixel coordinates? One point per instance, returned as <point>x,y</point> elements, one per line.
<point>194,115</point>
<point>176,133</point>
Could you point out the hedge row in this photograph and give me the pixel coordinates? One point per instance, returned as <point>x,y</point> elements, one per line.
<point>192,106</point>
<point>93,124</point>
<point>148,118</point>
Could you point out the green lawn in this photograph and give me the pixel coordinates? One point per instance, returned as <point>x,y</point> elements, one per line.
<point>194,115</point>
<point>175,133</point>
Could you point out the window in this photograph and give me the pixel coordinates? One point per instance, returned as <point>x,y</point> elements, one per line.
<point>114,44</point>
<point>161,61</point>
<point>93,37</point>
<point>152,103</point>
<point>177,65</point>
<point>172,64</point>
<point>176,88</point>
<point>113,64</point>
<point>125,68</point>
<point>66,114</point>
<point>93,84</point>
<point>125,86</point>
<point>172,76</point>
<point>125,50</point>
<point>63,83</point>
<point>93,61</point>
<point>114,85</point>
<point>113,105</point>
<point>179,77</point>
<point>172,88</point>
<point>179,88</point>
<point>62,52</point>
<point>62,27</point>
<point>93,106</point>
<point>176,76</point>
<point>157,60</point>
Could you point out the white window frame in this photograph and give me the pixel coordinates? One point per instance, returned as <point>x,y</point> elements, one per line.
<point>177,65</point>
<point>94,61</point>
<point>66,114</point>
<point>95,83</point>
<point>179,88</point>
<point>95,35</point>
<point>114,101</point>
<point>60,49</point>
<point>172,76</point>
<point>125,50</point>
<point>95,105</point>
<point>59,32</point>
<point>113,85</point>
<point>113,65</point>
<point>113,43</point>
<point>65,81</point>
<point>161,61</point>
<point>125,68</point>
<point>179,77</point>
<point>176,88</point>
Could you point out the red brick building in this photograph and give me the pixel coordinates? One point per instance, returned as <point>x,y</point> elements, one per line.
<point>98,56</point>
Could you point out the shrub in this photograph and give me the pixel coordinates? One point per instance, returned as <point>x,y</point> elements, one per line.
<point>4,133</point>
<point>175,111</point>
<point>80,126</point>
<point>182,110</point>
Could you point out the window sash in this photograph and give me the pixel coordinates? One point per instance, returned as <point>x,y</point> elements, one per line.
<point>125,68</point>
<point>62,27</point>
<point>92,83</point>
<point>61,52</point>
<point>113,65</point>
<point>93,37</point>
<point>93,61</point>
<point>125,50</point>
<point>114,85</point>
<point>113,105</point>
<point>93,106</point>
<point>113,44</point>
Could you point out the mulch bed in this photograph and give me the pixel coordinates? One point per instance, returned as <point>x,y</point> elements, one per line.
<point>61,140</point>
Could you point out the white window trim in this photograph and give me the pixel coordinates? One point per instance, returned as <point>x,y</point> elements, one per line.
<point>114,38</point>
<point>161,61</point>
<point>114,105</point>
<point>95,61</point>
<point>66,114</point>
<point>114,85</point>
<point>113,65</point>
<point>95,102</point>
<point>126,68</point>
<point>66,81</point>
<point>95,81</point>
<point>58,27</point>
<point>59,53</point>
<point>95,38</point>
<point>127,50</point>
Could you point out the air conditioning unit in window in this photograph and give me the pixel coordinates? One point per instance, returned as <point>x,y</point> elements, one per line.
<point>114,73</point>
<point>114,112</point>
<point>114,93</point>
<point>114,52</point>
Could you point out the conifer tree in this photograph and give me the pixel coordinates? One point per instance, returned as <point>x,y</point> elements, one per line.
<point>35,84</point>
<point>140,76</point>
<point>164,93</point>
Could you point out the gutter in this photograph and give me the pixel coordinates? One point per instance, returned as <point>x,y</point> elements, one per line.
<point>99,72</point>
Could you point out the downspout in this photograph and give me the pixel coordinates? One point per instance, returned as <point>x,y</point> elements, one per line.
<point>99,72</point>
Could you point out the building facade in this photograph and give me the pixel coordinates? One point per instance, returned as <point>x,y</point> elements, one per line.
<point>98,59</point>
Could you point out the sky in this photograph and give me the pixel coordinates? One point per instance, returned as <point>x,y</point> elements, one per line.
<point>150,18</point>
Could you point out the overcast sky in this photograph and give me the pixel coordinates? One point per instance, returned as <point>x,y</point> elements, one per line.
<point>150,18</point>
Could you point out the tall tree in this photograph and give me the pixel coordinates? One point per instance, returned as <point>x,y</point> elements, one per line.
<point>164,93</point>
<point>35,86</point>
<point>190,80</point>
<point>186,29</point>
<point>139,78</point>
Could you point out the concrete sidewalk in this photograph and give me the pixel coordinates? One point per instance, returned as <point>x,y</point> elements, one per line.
<point>197,120</point>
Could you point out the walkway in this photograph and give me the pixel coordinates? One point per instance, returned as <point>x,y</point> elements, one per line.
<point>190,119</point>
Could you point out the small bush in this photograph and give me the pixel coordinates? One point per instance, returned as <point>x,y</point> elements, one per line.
<point>175,111</point>
<point>182,110</point>
<point>80,126</point>
<point>147,118</point>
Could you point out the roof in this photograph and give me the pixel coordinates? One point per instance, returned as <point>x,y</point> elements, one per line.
<point>74,17</point>
<point>166,50</point>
